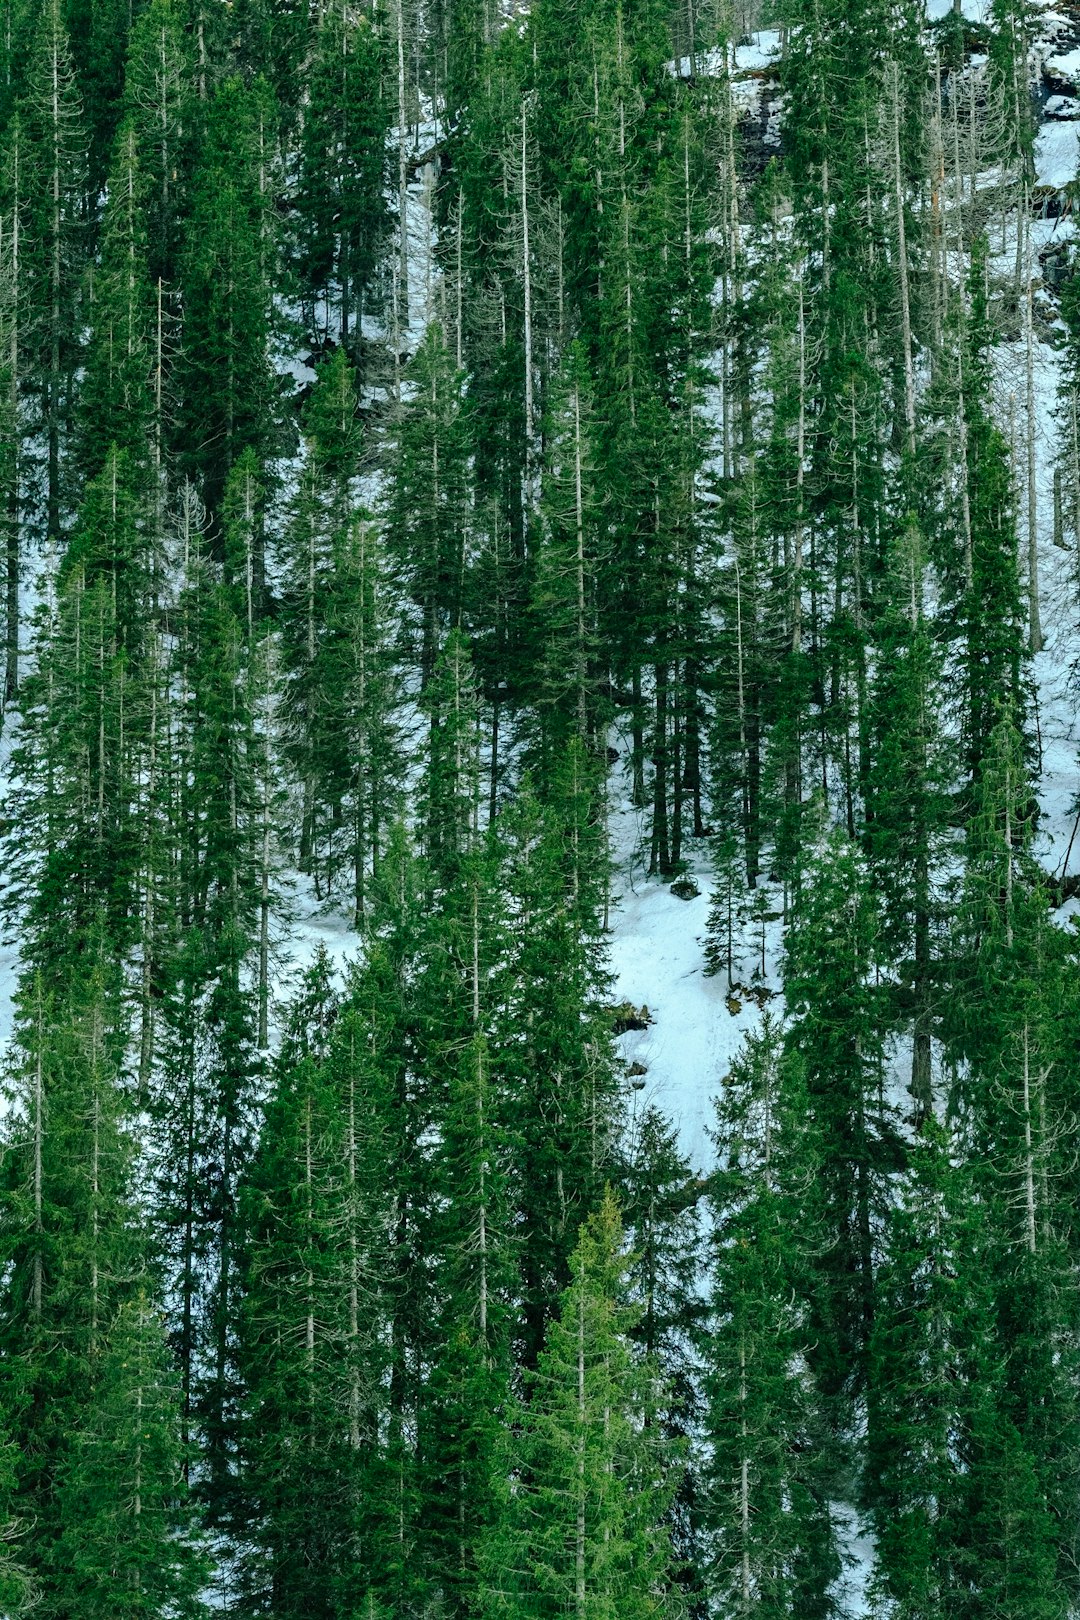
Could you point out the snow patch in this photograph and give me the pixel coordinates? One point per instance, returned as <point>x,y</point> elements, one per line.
<point>1056,153</point>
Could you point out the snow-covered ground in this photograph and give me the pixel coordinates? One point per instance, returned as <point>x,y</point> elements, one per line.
<point>658,962</point>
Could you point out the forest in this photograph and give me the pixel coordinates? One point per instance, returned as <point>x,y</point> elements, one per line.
<point>540,629</point>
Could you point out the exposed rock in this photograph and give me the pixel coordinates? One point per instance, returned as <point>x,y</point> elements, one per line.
<point>626,1017</point>
<point>684,888</point>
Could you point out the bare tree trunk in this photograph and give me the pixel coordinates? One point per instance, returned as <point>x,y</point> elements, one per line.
<point>1029,1156</point>
<point>1035,635</point>
<point>893,79</point>
<point>403,170</point>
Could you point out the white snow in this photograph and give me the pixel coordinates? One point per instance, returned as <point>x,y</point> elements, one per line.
<point>759,51</point>
<point>656,954</point>
<point>1064,66</point>
<point>973,10</point>
<point>1056,153</point>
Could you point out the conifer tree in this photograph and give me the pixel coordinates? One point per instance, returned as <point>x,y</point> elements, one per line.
<point>128,1546</point>
<point>343,165</point>
<point>70,1243</point>
<point>837,1029</point>
<point>54,169</point>
<point>952,1485</point>
<point>335,655</point>
<point>905,790</point>
<point>661,1201</point>
<point>427,515</point>
<point>553,1043</point>
<point>204,1091</point>
<point>18,1593</point>
<point>75,768</point>
<point>116,399</point>
<point>225,380</point>
<point>469,1391</point>
<point>765,1507</point>
<point>312,1352</point>
<point>12,408</point>
<point>159,104</point>
<point>567,565</point>
<point>579,1527</point>
<point>370,689</point>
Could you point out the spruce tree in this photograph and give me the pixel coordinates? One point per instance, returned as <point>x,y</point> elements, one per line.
<point>225,380</point>
<point>116,399</point>
<point>71,1245</point>
<point>837,1030</point>
<point>427,515</point>
<point>54,169</point>
<point>765,1504</point>
<point>661,1202</point>
<point>316,1211</point>
<point>128,1546</point>
<point>343,166</point>
<point>203,1101</point>
<point>579,1525</point>
<point>159,104</point>
<point>552,1040</point>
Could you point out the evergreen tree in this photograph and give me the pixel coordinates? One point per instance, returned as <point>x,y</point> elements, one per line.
<point>963,1525</point>
<point>838,1031</point>
<point>54,170</point>
<point>766,1508</point>
<point>427,515</point>
<point>664,1230</point>
<point>71,1247</point>
<point>13,315</point>
<point>552,1040</point>
<point>225,380</point>
<point>335,648</point>
<point>567,565</point>
<point>159,104</point>
<point>203,1102</point>
<point>343,165</point>
<point>128,1546</point>
<point>312,1353</point>
<point>116,400</point>
<point>579,1528</point>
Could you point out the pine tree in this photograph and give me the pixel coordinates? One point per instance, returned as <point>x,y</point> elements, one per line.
<point>837,1029</point>
<point>128,1546</point>
<point>765,1506</point>
<point>316,1214</point>
<point>343,170</point>
<point>54,168</point>
<point>427,515</point>
<point>579,1527</point>
<point>225,380</point>
<point>70,1242</point>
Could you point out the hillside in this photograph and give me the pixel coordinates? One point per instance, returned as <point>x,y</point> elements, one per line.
<point>541,810</point>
